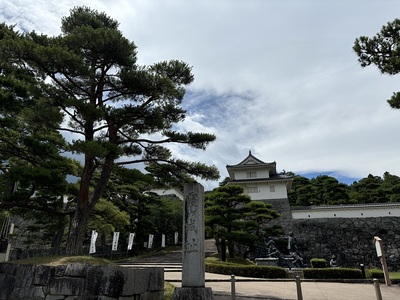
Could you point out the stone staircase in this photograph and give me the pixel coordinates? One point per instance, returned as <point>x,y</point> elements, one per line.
<point>169,260</point>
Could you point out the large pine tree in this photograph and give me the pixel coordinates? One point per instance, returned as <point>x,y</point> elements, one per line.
<point>117,111</point>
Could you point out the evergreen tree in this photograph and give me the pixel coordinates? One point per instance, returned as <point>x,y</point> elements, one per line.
<point>232,217</point>
<point>119,112</point>
<point>328,190</point>
<point>368,190</point>
<point>391,187</point>
<point>225,208</point>
<point>383,51</point>
<point>302,192</point>
<point>32,169</point>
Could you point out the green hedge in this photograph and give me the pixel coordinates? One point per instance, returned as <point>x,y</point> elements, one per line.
<point>374,273</point>
<point>332,273</point>
<point>318,263</point>
<point>246,271</point>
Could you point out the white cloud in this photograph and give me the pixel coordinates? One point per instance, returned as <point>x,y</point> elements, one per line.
<point>275,77</point>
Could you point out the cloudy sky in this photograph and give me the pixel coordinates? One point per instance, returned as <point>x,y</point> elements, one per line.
<point>277,77</point>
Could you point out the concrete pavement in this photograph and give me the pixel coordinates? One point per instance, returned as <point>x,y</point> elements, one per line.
<point>256,288</point>
<point>247,288</point>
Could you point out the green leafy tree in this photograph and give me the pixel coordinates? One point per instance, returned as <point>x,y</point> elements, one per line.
<point>119,112</point>
<point>391,187</point>
<point>107,218</point>
<point>232,217</point>
<point>383,51</point>
<point>149,213</point>
<point>368,190</point>
<point>302,192</point>
<point>225,208</point>
<point>321,190</point>
<point>328,190</point>
<point>257,226</point>
<point>166,218</point>
<point>32,169</point>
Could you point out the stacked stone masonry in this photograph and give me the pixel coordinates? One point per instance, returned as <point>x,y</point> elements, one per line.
<point>80,281</point>
<point>350,240</point>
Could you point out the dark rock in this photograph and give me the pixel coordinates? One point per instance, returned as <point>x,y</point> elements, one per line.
<point>24,276</point>
<point>28,293</point>
<point>43,275</point>
<point>7,283</point>
<point>76,270</point>
<point>95,281</point>
<point>67,286</point>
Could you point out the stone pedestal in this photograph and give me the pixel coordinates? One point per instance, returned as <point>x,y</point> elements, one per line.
<point>188,293</point>
<point>193,268</point>
<point>268,261</point>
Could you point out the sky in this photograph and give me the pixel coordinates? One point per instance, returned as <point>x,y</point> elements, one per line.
<point>278,78</point>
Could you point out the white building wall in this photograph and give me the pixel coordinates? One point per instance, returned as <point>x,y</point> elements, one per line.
<point>168,192</point>
<point>356,212</point>
<point>259,174</point>
<point>264,191</point>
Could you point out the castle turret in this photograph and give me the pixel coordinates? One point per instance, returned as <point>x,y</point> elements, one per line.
<point>262,182</point>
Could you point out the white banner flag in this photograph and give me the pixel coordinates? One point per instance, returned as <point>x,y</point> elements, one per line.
<point>150,244</point>
<point>115,241</point>
<point>163,241</point>
<point>93,239</point>
<point>176,237</point>
<point>130,240</point>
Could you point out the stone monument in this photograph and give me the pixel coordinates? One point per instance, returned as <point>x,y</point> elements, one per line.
<point>193,269</point>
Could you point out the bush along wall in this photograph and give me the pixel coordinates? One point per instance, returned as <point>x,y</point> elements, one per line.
<point>318,263</point>
<point>332,273</point>
<point>246,271</point>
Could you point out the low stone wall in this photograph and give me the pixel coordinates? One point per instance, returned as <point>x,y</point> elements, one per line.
<point>350,240</point>
<point>80,281</point>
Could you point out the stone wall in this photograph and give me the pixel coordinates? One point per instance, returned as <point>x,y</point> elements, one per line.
<point>80,281</point>
<point>283,208</point>
<point>349,239</point>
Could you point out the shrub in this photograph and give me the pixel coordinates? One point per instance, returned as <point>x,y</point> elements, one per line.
<point>332,273</point>
<point>246,271</point>
<point>318,263</point>
<point>374,273</point>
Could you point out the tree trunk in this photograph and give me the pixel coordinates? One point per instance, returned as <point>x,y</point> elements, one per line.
<point>80,218</point>
<point>58,236</point>
<point>78,230</point>
<point>231,249</point>
<point>223,250</point>
<point>85,201</point>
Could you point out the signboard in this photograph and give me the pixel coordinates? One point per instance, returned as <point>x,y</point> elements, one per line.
<point>130,240</point>
<point>115,241</point>
<point>381,254</point>
<point>93,239</point>
<point>176,237</point>
<point>378,246</point>
<point>150,244</point>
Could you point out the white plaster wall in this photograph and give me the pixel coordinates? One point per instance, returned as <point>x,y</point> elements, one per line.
<point>169,192</point>
<point>264,192</point>
<point>260,174</point>
<point>347,213</point>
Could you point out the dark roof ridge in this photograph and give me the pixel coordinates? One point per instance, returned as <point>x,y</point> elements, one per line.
<point>251,156</point>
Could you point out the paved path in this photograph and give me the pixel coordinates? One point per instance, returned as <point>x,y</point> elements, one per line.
<point>257,289</point>
<point>310,290</point>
